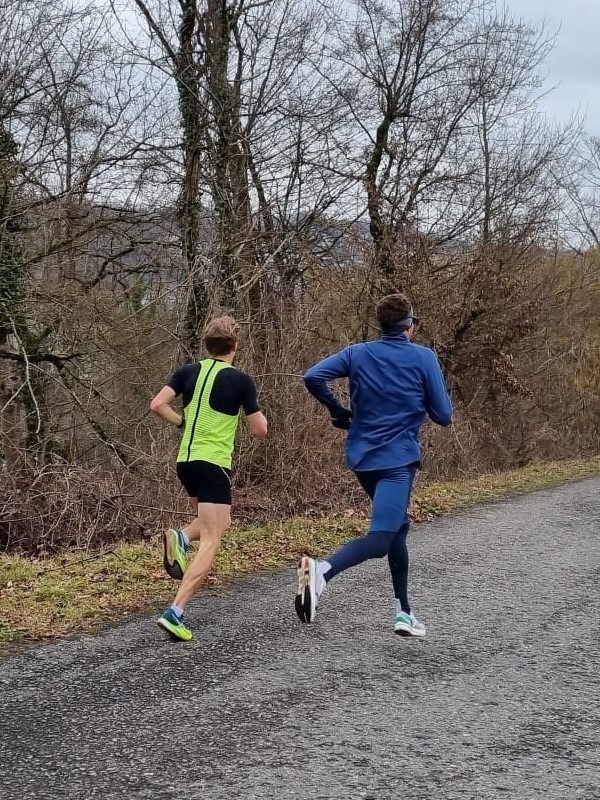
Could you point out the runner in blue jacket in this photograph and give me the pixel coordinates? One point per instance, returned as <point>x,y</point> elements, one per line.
<point>394,385</point>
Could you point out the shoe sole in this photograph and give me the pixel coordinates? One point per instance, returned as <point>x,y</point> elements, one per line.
<point>172,630</point>
<point>406,630</point>
<point>304,602</point>
<point>171,565</point>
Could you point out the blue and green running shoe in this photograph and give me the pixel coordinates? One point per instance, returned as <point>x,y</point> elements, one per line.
<point>175,626</point>
<point>175,558</point>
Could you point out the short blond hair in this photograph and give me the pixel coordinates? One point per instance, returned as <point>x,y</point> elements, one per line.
<point>221,335</point>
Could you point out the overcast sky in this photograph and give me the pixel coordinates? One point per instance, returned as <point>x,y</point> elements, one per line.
<point>574,65</point>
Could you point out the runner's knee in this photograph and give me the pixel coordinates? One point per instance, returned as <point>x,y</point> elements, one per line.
<point>381,542</point>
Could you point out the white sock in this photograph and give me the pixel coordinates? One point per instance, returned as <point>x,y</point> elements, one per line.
<point>186,538</point>
<point>399,608</point>
<point>321,583</point>
<point>177,610</point>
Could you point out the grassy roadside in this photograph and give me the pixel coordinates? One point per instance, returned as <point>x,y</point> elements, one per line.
<point>57,596</point>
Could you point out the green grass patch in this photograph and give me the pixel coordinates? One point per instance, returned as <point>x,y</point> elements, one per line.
<point>54,597</point>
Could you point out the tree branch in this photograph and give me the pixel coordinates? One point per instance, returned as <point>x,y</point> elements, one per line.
<point>39,358</point>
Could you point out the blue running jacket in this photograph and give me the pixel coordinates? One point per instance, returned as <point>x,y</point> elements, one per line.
<point>394,384</point>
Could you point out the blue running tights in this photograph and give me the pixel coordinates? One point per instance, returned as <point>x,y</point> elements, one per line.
<point>389,490</point>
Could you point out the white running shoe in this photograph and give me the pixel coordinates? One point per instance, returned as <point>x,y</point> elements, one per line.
<point>311,585</point>
<point>408,625</point>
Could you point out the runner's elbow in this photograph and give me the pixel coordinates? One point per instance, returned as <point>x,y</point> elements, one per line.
<point>311,382</point>
<point>155,406</point>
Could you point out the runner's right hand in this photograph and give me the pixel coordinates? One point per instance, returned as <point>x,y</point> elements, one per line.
<point>343,423</point>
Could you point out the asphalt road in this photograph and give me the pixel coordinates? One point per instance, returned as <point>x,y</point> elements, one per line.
<point>502,700</point>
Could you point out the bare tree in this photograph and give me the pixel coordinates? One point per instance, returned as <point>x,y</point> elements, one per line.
<point>74,144</point>
<point>254,118</point>
<point>582,196</point>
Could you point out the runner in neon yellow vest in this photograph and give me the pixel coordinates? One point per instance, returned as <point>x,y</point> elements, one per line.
<point>213,394</point>
<point>208,435</point>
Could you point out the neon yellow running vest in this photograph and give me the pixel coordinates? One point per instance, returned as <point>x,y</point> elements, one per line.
<point>208,435</point>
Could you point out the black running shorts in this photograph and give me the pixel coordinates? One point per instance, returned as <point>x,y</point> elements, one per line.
<point>207,482</point>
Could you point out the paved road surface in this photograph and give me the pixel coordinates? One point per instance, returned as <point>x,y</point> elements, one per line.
<point>502,700</point>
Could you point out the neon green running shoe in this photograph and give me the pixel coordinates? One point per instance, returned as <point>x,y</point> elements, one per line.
<point>175,558</point>
<point>175,626</point>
